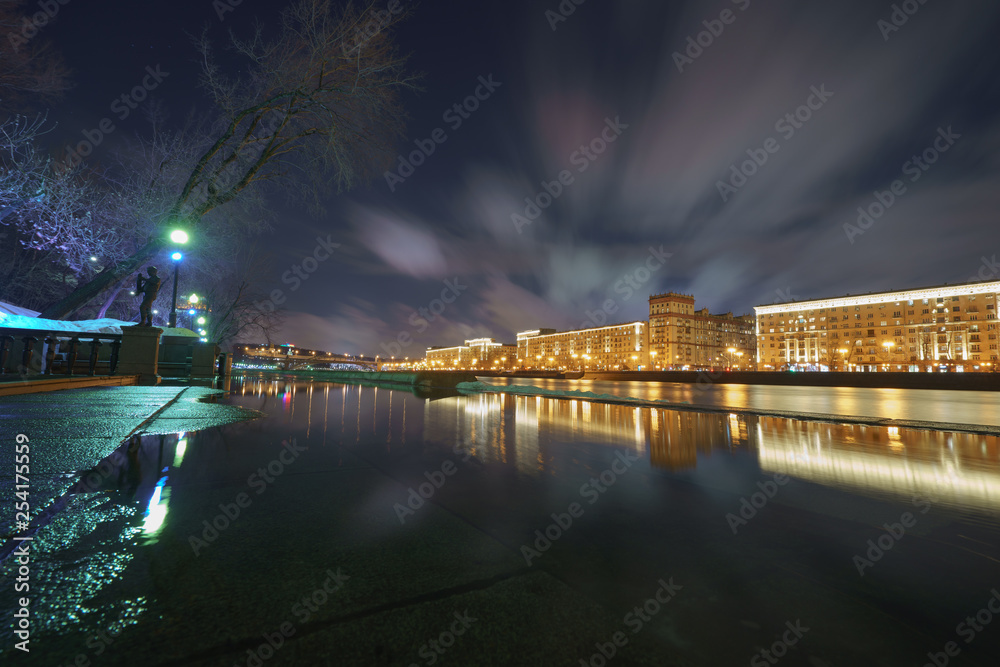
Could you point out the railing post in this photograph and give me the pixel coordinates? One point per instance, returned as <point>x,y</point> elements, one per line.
<point>74,349</point>
<point>29,349</point>
<point>6,342</point>
<point>95,346</point>
<point>50,354</point>
<point>116,348</point>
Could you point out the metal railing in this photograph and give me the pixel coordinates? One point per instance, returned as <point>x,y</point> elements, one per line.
<point>58,350</point>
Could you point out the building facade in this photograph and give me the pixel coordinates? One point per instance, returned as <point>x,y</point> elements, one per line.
<point>946,328</point>
<point>682,337</point>
<point>615,347</point>
<point>481,353</point>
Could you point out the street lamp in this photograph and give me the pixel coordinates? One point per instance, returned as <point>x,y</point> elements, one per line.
<point>843,351</point>
<point>179,237</point>
<point>888,354</point>
<point>177,257</point>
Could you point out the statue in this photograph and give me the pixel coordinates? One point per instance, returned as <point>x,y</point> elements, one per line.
<point>149,288</point>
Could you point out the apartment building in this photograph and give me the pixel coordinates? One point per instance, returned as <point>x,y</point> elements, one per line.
<point>682,337</point>
<point>944,328</point>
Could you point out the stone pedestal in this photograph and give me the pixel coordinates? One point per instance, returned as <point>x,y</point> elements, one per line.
<point>203,358</point>
<point>140,351</point>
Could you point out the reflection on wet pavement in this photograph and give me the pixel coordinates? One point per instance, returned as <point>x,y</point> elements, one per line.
<point>187,548</point>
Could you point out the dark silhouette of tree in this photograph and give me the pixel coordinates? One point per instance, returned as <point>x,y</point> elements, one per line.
<point>317,107</point>
<point>30,71</point>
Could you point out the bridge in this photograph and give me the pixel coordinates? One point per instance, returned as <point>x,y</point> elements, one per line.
<point>290,358</point>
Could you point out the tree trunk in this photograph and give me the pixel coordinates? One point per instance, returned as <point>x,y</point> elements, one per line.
<point>102,281</point>
<point>111,298</point>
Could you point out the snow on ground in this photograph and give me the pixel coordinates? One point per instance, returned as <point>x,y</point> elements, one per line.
<point>14,317</point>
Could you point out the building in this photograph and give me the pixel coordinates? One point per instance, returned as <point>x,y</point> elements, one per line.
<point>946,328</point>
<point>616,347</point>
<point>481,353</point>
<point>681,337</point>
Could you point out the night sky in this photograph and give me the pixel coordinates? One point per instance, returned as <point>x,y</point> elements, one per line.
<point>680,116</point>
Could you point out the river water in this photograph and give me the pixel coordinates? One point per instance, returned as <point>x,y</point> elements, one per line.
<point>702,538</point>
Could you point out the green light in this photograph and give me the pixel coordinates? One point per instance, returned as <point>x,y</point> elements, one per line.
<point>179,236</point>
<point>201,320</point>
<point>193,298</point>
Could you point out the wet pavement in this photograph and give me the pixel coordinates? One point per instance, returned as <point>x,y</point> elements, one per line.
<point>361,525</point>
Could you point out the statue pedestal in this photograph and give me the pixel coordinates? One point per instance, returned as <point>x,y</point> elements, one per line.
<point>140,352</point>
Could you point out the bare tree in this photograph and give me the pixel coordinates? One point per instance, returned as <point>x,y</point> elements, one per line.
<point>315,107</point>
<point>47,217</point>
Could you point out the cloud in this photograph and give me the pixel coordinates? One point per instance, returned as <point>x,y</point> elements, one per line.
<point>658,184</point>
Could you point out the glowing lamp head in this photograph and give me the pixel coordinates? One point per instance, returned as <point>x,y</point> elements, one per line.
<point>177,257</point>
<point>193,298</point>
<point>179,236</point>
<point>201,320</point>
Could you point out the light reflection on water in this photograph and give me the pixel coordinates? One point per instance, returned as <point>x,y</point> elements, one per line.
<point>527,432</point>
<point>957,407</point>
<point>542,440</point>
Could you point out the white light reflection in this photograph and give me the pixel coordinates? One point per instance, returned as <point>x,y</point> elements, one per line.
<point>156,512</point>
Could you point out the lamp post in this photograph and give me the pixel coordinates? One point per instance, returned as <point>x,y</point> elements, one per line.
<point>180,237</point>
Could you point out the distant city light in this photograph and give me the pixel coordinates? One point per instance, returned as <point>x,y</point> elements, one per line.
<point>177,257</point>
<point>201,320</point>
<point>93,259</point>
<point>193,298</point>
